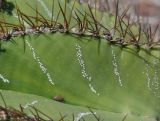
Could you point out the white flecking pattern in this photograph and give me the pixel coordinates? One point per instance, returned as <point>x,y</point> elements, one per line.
<point>41,65</point>
<point>83,68</point>
<point>115,66</point>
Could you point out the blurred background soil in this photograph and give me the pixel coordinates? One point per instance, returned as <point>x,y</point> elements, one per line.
<point>146,11</point>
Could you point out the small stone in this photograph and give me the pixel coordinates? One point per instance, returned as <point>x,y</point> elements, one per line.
<point>59,99</point>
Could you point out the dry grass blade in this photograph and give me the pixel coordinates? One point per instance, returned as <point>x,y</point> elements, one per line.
<point>154,33</point>
<point>94,19</point>
<point>125,117</point>
<point>69,21</point>
<point>139,34</point>
<point>97,118</point>
<point>38,20</point>
<point>62,117</point>
<point>129,31</point>
<point>52,12</point>
<point>94,31</point>
<point>78,21</point>
<point>5,25</point>
<point>125,12</point>
<point>56,21</point>
<point>36,14</point>
<point>150,33</point>
<point>64,17</point>
<point>22,26</point>
<point>23,17</point>
<point>132,36</point>
<point>8,24</point>
<point>127,26</point>
<point>121,27</point>
<point>2,29</point>
<point>27,19</point>
<point>36,117</point>
<point>92,28</point>
<point>120,19</point>
<point>85,23</point>
<point>21,108</point>
<point>45,20</point>
<point>38,111</point>
<point>116,16</point>
<point>3,99</point>
<point>147,36</point>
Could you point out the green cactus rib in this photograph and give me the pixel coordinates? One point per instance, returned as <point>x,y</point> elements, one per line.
<point>53,109</point>
<point>86,71</point>
<point>59,55</point>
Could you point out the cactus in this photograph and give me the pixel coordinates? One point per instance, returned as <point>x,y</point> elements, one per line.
<point>60,48</point>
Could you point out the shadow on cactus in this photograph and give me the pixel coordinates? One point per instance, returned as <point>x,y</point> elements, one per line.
<point>91,59</point>
<point>6,7</point>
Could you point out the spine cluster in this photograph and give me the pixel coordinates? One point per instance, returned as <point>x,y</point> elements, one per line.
<point>87,24</point>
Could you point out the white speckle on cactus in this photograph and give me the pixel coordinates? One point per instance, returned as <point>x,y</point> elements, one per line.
<point>148,77</point>
<point>115,66</point>
<point>41,65</point>
<point>4,79</point>
<point>30,104</point>
<point>153,80</point>
<point>83,68</point>
<point>93,90</point>
<point>81,115</point>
